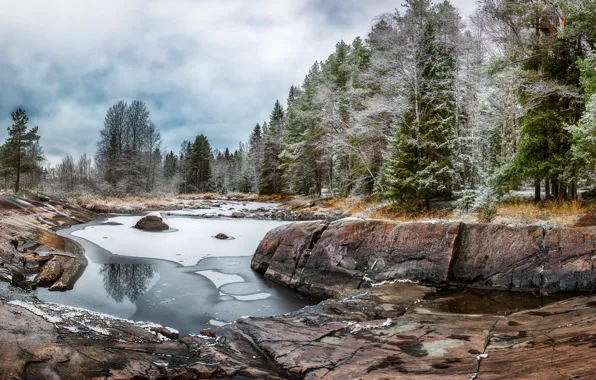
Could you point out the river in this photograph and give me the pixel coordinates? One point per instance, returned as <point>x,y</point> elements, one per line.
<point>183,278</point>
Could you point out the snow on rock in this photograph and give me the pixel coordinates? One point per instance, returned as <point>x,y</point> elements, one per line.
<point>35,310</point>
<point>79,320</point>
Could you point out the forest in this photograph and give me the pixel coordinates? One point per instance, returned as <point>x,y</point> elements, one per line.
<point>428,106</point>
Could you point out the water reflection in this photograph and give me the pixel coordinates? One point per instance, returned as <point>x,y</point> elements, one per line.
<point>126,280</point>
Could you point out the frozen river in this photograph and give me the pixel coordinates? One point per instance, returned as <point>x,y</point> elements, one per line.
<point>182,278</point>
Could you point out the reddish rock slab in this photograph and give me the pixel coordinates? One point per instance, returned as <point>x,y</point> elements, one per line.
<point>323,260</point>
<point>498,256</point>
<point>525,258</point>
<point>50,273</point>
<point>283,250</point>
<point>350,250</point>
<point>555,342</point>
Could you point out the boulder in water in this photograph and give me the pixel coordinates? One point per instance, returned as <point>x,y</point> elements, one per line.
<point>222,236</point>
<point>152,222</point>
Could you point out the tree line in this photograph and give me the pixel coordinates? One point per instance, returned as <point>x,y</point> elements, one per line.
<point>425,107</point>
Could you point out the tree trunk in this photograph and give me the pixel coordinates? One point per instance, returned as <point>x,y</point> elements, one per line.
<point>555,184</point>
<point>537,190</point>
<point>18,178</point>
<point>547,189</point>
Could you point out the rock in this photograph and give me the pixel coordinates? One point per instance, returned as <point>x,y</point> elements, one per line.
<point>587,220</point>
<point>168,333</point>
<point>493,255</point>
<point>322,260</point>
<point>50,273</point>
<point>152,222</point>
<point>285,249</point>
<point>34,261</point>
<point>526,258</point>
<point>238,214</point>
<point>222,236</point>
<point>208,333</point>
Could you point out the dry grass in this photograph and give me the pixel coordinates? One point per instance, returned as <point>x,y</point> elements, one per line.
<point>134,204</point>
<point>564,213</point>
<point>386,212</point>
<point>510,212</point>
<point>376,210</point>
<point>124,204</point>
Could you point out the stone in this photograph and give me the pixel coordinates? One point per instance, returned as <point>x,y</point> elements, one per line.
<point>168,333</point>
<point>238,214</point>
<point>152,222</point>
<point>50,273</point>
<point>222,236</point>
<point>587,220</point>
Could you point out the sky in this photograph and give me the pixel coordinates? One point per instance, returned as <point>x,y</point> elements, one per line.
<point>202,66</point>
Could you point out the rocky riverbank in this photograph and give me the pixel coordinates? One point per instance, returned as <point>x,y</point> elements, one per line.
<point>323,259</point>
<point>31,254</point>
<point>202,206</point>
<point>374,324</point>
<point>389,331</point>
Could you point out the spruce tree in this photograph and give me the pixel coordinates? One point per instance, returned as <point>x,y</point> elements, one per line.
<point>200,164</point>
<point>420,161</point>
<point>271,174</point>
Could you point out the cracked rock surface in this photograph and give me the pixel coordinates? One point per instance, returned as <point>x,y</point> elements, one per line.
<point>388,331</point>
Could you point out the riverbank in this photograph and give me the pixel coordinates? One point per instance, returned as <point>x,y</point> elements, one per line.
<point>387,331</point>
<point>31,254</point>
<point>515,210</point>
<point>377,323</point>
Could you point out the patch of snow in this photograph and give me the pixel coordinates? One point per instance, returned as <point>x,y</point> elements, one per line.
<point>215,322</point>
<point>481,356</point>
<point>23,203</point>
<point>219,279</point>
<point>396,281</point>
<point>252,297</point>
<point>35,310</point>
<point>98,329</point>
<point>72,329</point>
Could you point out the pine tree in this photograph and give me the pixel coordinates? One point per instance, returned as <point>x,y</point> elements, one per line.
<point>15,150</point>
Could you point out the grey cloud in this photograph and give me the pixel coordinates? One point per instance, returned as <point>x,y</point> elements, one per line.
<point>203,66</point>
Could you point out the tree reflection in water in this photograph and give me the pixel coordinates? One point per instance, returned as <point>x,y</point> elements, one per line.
<point>126,280</point>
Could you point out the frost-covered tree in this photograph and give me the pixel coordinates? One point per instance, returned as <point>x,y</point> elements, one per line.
<point>420,162</point>
<point>271,172</point>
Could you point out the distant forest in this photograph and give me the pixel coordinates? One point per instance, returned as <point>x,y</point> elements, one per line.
<point>425,107</point>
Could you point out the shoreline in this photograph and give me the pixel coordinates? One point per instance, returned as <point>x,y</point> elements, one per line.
<point>392,328</point>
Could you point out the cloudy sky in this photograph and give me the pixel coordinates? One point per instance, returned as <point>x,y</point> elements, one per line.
<point>202,66</point>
